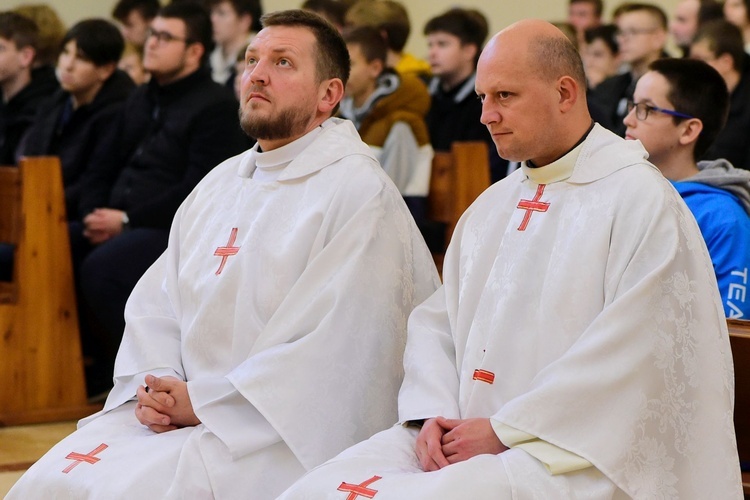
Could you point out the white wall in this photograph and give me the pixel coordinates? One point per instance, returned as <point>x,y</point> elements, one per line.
<point>500,13</point>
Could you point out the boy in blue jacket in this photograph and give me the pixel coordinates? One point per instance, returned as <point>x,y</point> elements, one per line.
<point>678,108</point>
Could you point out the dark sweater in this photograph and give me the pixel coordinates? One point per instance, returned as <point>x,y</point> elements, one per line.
<point>18,113</point>
<point>454,116</point>
<point>167,139</point>
<point>732,142</point>
<point>76,135</point>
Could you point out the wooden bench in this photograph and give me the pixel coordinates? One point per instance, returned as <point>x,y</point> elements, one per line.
<point>739,337</point>
<point>458,178</point>
<point>41,366</point>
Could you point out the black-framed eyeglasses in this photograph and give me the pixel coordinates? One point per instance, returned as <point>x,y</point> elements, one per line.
<point>164,36</point>
<point>627,33</point>
<point>642,110</point>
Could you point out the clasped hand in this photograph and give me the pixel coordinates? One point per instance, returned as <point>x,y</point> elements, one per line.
<point>444,441</point>
<point>166,405</point>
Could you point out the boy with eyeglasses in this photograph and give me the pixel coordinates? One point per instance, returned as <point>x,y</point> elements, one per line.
<point>678,108</point>
<point>641,36</point>
<point>171,132</point>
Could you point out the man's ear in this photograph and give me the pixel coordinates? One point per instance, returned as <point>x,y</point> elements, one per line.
<point>104,71</point>
<point>724,63</point>
<point>691,129</point>
<point>246,21</point>
<point>26,55</point>
<point>469,51</point>
<point>331,93</point>
<point>568,89</point>
<point>195,52</point>
<point>375,67</point>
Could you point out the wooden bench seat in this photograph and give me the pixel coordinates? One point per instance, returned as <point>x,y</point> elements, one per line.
<point>41,365</point>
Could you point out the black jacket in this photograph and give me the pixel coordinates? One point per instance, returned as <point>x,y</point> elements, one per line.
<point>18,113</point>
<point>167,139</point>
<point>75,136</point>
<point>732,142</point>
<point>454,116</point>
<point>608,101</point>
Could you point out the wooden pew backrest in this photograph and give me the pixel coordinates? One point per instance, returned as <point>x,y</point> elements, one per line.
<point>458,178</point>
<point>10,215</point>
<point>41,365</point>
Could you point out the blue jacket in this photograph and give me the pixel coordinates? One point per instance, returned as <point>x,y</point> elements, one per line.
<point>725,224</point>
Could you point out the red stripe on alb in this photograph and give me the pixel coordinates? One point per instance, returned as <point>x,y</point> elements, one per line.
<point>360,489</point>
<point>484,376</point>
<point>81,457</point>
<point>532,206</point>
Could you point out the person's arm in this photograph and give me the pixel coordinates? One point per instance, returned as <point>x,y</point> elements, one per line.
<point>728,242</point>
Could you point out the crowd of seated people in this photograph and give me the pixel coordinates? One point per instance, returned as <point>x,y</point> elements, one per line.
<point>108,155</point>
<point>141,107</point>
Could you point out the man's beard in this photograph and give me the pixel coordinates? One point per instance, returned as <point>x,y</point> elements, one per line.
<point>287,124</point>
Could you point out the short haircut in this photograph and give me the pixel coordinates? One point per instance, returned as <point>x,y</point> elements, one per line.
<point>710,10</point>
<point>605,33</point>
<point>469,26</point>
<point>97,40</point>
<point>331,54</point>
<point>370,42</point>
<point>241,7</point>
<point>698,90</point>
<point>653,10</point>
<point>146,8</point>
<point>386,15</point>
<point>19,29</point>
<point>555,57</point>
<point>598,5</point>
<point>197,21</point>
<point>334,10</point>
<point>723,37</point>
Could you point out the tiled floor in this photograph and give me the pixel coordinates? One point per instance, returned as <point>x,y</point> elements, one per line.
<point>22,445</point>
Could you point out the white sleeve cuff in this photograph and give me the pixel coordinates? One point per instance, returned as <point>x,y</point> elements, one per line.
<point>554,458</point>
<point>231,417</point>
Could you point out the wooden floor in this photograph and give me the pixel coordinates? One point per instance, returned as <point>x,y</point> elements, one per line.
<point>21,446</point>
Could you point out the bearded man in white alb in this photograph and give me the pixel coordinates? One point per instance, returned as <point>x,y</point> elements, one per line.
<point>270,335</point>
<point>578,347</point>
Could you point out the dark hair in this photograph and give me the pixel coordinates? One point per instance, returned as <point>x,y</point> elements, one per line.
<point>605,33</point>
<point>19,29</point>
<point>146,8</point>
<point>723,37</point>
<point>251,7</point>
<point>97,40</point>
<point>556,57</point>
<point>598,5</point>
<point>386,15</point>
<point>332,56</point>
<point>370,42</point>
<point>334,10</point>
<point>469,26</point>
<point>709,10</point>
<point>197,24</point>
<point>698,90</point>
<point>655,11</point>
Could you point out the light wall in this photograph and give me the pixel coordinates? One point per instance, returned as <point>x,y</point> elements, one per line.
<point>499,13</point>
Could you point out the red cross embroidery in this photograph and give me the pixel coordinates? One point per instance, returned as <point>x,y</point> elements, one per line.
<point>80,457</point>
<point>484,376</point>
<point>533,205</point>
<point>361,489</point>
<point>227,251</point>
